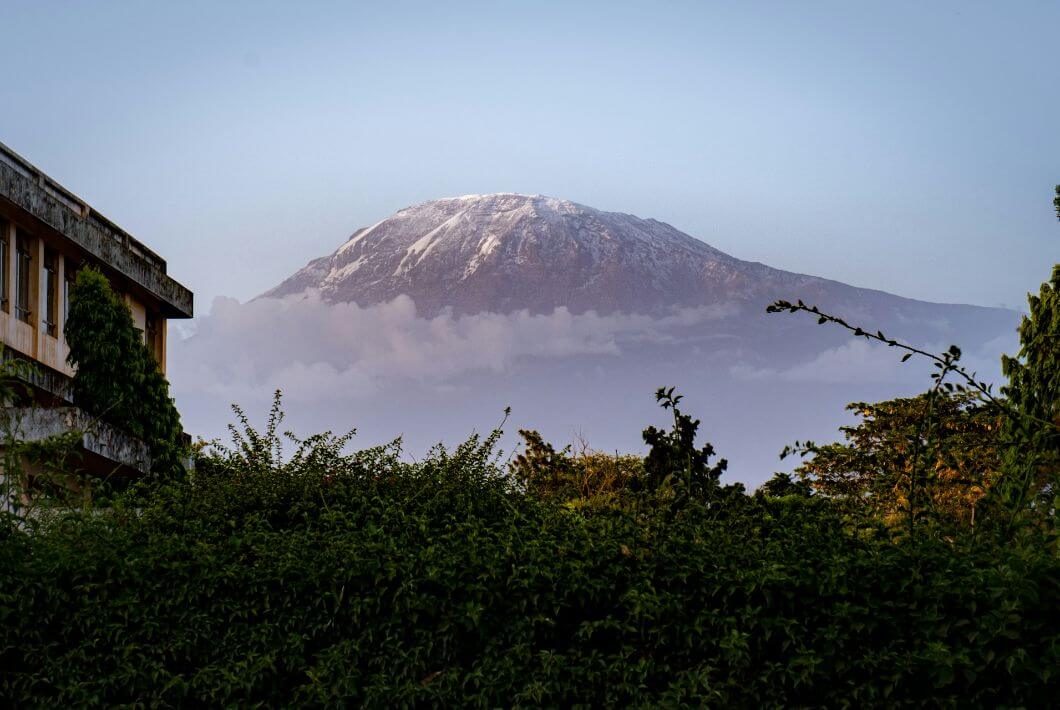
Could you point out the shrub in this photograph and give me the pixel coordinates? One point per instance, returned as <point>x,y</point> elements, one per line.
<point>674,460</point>
<point>116,376</point>
<point>587,477</point>
<point>869,473</point>
<point>333,578</point>
<point>1033,461</point>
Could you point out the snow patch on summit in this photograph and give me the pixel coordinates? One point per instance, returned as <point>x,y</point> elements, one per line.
<point>422,246</point>
<point>357,237</point>
<point>506,252</point>
<point>344,271</point>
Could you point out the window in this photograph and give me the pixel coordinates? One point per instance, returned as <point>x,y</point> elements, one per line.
<point>4,256</point>
<point>151,334</point>
<point>69,276</point>
<point>23,271</point>
<point>50,324</point>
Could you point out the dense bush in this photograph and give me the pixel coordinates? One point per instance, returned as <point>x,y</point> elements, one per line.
<point>575,478</point>
<point>326,578</point>
<point>116,376</point>
<point>1034,391</point>
<point>869,474</point>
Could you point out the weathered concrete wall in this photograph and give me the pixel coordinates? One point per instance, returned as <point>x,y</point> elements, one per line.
<point>55,383</point>
<point>32,191</point>
<point>18,335</point>
<point>98,438</point>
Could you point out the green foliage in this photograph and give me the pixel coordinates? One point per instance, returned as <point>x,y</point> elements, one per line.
<point>1033,462</point>
<point>673,468</point>
<point>542,469</point>
<point>1030,487</point>
<point>335,578</point>
<point>104,349</point>
<point>674,458</point>
<point>869,475</point>
<point>584,478</point>
<point>1025,493</point>
<point>13,479</point>
<point>34,475</point>
<point>116,376</point>
<point>782,485</point>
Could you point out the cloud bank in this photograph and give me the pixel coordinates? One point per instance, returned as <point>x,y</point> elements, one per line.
<point>862,361</point>
<point>314,350</point>
<point>757,381</point>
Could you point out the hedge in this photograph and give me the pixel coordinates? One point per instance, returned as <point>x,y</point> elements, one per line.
<point>368,581</point>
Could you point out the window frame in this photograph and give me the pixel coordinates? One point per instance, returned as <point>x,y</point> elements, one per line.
<point>70,268</point>
<point>24,300</point>
<point>151,332</point>
<point>50,311</point>
<point>5,256</point>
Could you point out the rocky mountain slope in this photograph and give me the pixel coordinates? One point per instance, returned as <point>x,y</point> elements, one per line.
<point>508,252</point>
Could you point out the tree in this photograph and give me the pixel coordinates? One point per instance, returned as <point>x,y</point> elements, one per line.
<point>540,468</point>
<point>782,485</point>
<point>674,457</point>
<point>578,478</point>
<point>957,457</point>
<point>116,376</point>
<point>105,351</point>
<point>1033,460</point>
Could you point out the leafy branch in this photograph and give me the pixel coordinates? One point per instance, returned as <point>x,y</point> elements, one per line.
<point>946,363</point>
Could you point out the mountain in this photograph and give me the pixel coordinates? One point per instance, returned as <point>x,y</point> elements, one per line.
<point>508,252</point>
<point>645,306</point>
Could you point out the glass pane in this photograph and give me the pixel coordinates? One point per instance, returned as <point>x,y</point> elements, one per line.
<point>3,266</point>
<point>51,292</point>
<point>23,265</point>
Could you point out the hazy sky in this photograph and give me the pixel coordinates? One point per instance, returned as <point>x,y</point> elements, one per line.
<point>905,146</point>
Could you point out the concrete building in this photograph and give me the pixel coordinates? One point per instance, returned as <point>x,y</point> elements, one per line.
<point>46,234</point>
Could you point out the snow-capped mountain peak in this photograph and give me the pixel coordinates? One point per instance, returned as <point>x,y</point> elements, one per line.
<point>506,251</point>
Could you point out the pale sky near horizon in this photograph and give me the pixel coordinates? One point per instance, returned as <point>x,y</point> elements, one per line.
<point>911,147</point>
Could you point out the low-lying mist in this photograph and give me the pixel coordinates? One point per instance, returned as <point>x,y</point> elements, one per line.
<point>758,381</point>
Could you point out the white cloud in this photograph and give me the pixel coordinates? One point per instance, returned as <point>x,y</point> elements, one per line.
<point>861,361</point>
<point>318,351</point>
<point>388,371</point>
<point>854,361</point>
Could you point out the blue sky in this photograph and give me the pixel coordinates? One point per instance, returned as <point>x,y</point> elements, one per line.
<point>906,146</point>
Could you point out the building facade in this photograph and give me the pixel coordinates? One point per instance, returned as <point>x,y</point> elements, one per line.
<point>46,234</point>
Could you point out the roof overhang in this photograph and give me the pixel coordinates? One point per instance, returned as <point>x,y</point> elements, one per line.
<point>33,192</point>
